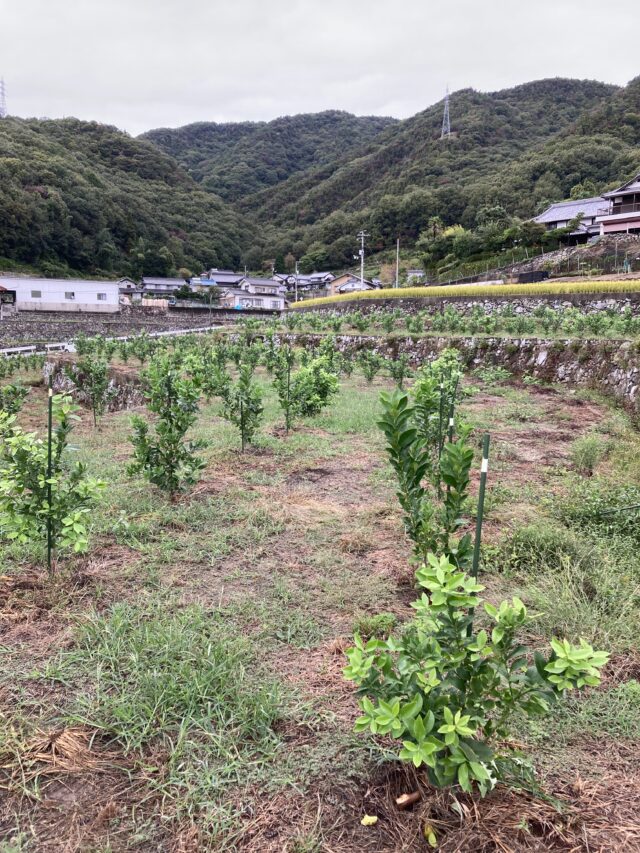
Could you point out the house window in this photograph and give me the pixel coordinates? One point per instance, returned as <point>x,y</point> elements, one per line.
<point>275,303</point>
<point>70,295</point>
<point>36,294</point>
<point>102,297</point>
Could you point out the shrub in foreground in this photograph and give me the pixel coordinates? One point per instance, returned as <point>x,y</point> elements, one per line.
<point>450,693</point>
<point>42,493</point>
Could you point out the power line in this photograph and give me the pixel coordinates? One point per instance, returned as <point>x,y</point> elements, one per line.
<point>3,99</point>
<point>446,121</point>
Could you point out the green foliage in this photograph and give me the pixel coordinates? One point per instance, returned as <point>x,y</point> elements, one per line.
<point>379,625</point>
<point>25,509</point>
<point>155,670</point>
<point>309,390</point>
<point>586,452</point>
<point>243,404</point>
<point>370,363</point>
<point>602,509</point>
<point>237,160</point>
<point>83,196</point>
<point>92,375</point>
<point>161,453</point>
<point>12,397</point>
<point>431,516</point>
<point>399,369</point>
<point>450,693</point>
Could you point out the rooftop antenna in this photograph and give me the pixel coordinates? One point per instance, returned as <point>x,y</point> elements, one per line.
<point>3,99</point>
<point>446,121</point>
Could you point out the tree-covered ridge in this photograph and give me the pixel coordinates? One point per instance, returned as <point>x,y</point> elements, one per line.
<point>520,149</point>
<point>236,160</point>
<point>87,197</point>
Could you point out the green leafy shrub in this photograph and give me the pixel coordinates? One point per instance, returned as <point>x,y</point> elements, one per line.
<point>243,404</point>
<point>12,397</point>
<point>431,517</point>
<point>450,693</point>
<point>370,364</point>
<point>38,495</point>
<point>91,374</point>
<point>399,369</point>
<point>161,453</point>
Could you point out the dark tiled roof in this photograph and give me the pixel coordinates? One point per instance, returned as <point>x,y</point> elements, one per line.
<point>632,186</point>
<point>566,210</point>
<point>175,282</point>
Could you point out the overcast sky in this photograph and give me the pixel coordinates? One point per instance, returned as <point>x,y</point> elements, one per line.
<point>141,64</point>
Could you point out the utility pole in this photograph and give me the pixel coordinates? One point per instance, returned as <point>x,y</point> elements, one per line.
<point>3,99</point>
<point>361,236</point>
<point>296,282</point>
<point>398,262</point>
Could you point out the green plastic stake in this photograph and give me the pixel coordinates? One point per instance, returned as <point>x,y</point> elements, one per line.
<point>49,473</point>
<point>484,470</point>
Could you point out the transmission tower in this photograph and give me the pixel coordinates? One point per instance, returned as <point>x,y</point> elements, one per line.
<point>3,99</point>
<point>446,121</point>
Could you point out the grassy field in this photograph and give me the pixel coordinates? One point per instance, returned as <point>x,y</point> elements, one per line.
<point>179,688</point>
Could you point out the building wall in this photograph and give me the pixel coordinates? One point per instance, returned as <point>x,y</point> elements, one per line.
<point>621,225</point>
<point>53,295</point>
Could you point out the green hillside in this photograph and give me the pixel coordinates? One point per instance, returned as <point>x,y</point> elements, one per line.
<point>86,197</point>
<point>410,174</point>
<point>235,160</point>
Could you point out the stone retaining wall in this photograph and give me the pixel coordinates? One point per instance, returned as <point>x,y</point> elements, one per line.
<point>609,366</point>
<point>587,302</point>
<point>24,329</point>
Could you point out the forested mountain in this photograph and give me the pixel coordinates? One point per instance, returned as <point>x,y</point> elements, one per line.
<point>235,160</point>
<point>86,196</point>
<point>408,175</point>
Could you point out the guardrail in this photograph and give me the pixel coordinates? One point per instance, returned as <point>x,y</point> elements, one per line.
<point>69,346</point>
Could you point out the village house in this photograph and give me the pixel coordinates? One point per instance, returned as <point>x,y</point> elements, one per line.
<point>350,283</point>
<point>615,212</point>
<point>561,214</point>
<point>258,293</point>
<point>61,294</point>
<point>304,283</point>
<point>161,286</point>
<point>620,209</point>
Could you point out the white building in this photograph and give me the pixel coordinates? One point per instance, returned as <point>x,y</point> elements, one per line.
<point>259,293</point>
<point>61,294</point>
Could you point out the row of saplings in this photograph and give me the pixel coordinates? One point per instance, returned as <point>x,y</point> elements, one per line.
<point>46,498</point>
<point>451,683</point>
